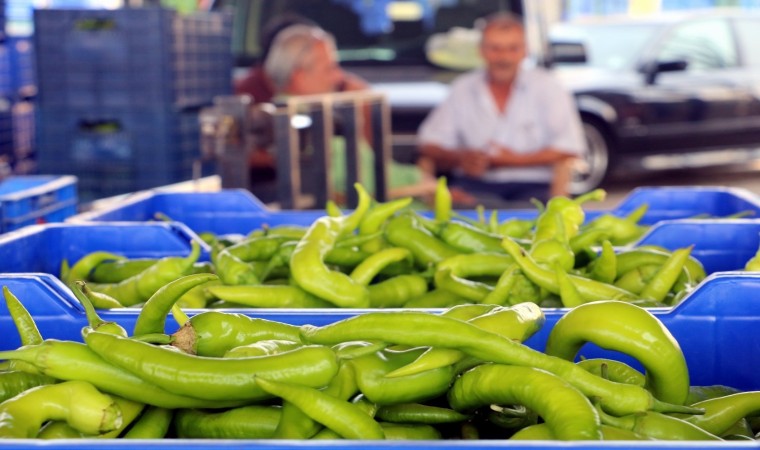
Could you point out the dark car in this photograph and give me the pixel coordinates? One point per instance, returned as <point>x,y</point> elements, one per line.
<point>680,85</point>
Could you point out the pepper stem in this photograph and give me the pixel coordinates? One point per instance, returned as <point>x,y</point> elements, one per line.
<point>155,338</point>
<point>179,315</point>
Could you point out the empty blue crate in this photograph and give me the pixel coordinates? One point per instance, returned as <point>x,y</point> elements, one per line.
<point>27,200</point>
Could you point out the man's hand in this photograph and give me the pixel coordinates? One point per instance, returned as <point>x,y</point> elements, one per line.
<point>474,163</point>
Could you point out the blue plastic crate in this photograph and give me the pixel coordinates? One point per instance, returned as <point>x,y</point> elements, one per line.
<point>26,200</point>
<point>716,327</point>
<point>132,57</point>
<point>720,245</point>
<point>43,248</point>
<point>115,150</point>
<point>232,211</point>
<point>224,212</point>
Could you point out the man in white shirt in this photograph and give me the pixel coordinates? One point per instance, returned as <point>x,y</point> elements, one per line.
<point>505,130</point>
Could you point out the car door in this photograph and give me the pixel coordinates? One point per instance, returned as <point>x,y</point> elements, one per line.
<point>702,106</point>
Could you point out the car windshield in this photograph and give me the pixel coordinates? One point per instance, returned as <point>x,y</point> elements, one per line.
<point>608,46</point>
<point>378,32</point>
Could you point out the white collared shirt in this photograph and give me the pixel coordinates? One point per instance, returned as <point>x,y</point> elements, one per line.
<point>540,113</point>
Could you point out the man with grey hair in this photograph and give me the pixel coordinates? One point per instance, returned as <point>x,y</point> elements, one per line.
<point>505,131</point>
<point>303,61</point>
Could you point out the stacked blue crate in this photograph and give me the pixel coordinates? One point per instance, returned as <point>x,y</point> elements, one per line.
<point>119,92</point>
<point>21,64</point>
<point>22,89</point>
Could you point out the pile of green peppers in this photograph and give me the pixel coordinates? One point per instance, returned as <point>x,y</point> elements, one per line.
<point>386,255</point>
<point>463,373</point>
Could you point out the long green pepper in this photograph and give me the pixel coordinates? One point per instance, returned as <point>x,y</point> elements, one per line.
<point>214,379</point>
<point>421,329</point>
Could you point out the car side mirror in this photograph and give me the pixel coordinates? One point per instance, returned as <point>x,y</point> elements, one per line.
<point>657,67</point>
<point>567,52</point>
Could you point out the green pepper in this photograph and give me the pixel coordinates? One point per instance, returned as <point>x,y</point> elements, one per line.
<point>614,371</point>
<point>517,323</point>
<point>604,268</point>
<point>419,413</point>
<point>371,377</point>
<point>153,423</point>
<point>73,361</point>
<point>469,239</point>
<point>200,377</point>
<point>94,321</point>
<point>118,270</point>
<point>368,269</point>
<point>567,412</point>
<point>376,217</point>
<point>78,403</point>
<point>443,201</point>
<point>659,426</point>
<point>620,326</point>
<point>139,288</point>
<point>422,329</point>
<point>341,416</point>
<point>309,271</point>
<point>723,412</point>
<point>661,283</point>
<point>397,291</point>
<point>620,230</point>
<point>82,269</point>
<point>27,329</point>
<point>153,314</point>
<point>212,333</point>
<point>435,298</point>
<point>245,422</point>
<point>407,231</point>
<point>589,289</point>
<point>14,382</point>
<point>268,296</point>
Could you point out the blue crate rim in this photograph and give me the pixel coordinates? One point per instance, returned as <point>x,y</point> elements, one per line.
<point>141,196</point>
<point>37,213</point>
<point>55,182</point>
<point>178,228</point>
<point>738,192</point>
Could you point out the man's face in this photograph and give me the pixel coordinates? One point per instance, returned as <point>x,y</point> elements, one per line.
<point>321,75</point>
<point>503,50</point>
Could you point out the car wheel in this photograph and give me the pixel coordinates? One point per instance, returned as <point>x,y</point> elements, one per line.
<point>589,172</point>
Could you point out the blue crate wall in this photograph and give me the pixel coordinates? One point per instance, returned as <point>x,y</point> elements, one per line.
<point>2,20</point>
<point>131,57</point>
<point>115,151</point>
<point>22,116</point>
<point>6,133</point>
<point>23,84</point>
<point>5,72</point>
